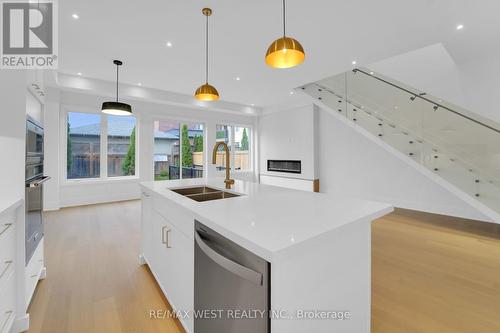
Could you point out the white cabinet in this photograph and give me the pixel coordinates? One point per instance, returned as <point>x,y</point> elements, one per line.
<point>8,264</point>
<point>8,303</point>
<point>35,271</point>
<point>146,227</point>
<point>170,254</point>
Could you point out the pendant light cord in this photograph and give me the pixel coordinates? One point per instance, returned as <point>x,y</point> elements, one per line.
<point>117,66</point>
<point>206,54</point>
<point>284,19</point>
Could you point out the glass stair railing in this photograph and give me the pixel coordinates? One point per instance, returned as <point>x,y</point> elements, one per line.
<point>459,146</point>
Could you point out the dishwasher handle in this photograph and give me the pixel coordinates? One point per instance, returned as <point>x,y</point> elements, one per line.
<point>233,267</point>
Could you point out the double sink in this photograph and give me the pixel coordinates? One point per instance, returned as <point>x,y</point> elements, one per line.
<point>204,193</point>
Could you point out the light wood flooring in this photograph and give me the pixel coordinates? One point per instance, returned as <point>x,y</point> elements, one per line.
<point>435,274</point>
<point>430,274</point>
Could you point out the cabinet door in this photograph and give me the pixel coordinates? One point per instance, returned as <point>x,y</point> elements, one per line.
<point>175,266</point>
<point>147,227</point>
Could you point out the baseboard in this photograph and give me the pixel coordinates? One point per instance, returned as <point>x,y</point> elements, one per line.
<point>21,324</point>
<point>43,273</point>
<point>96,201</point>
<point>51,206</point>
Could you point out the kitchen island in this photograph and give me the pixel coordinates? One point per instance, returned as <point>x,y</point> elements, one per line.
<point>318,247</point>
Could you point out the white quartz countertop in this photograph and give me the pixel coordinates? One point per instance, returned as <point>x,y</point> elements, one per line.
<point>267,219</point>
<point>6,204</point>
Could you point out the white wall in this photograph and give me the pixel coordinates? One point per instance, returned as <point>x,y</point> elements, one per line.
<point>62,193</point>
<point>289,135</point>
<point>34,107</point>
<point>473,85</point>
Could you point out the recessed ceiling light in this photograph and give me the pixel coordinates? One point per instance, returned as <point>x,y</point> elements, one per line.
<point>75,16</point>
<point>238,78</point>
<point>353,62</point>
<point>79,74</point>
<point>291,92</point>
<point>371,73</point>
<point>139,84</point>
<point>169,44</point>
<point>252,104</point>
<point>460,27</point>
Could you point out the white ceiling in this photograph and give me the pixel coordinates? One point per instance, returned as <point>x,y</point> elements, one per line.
<point>333,33</point>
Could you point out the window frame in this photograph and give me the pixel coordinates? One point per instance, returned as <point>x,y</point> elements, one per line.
<point>103,154</point>
<point>233,145</point>
<point>181,122</point>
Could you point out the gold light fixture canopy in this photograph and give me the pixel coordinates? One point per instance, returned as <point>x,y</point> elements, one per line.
<point>206,92</point>
<point>285,52</point>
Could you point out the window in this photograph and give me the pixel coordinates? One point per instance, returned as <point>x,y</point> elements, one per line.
<point>178,146</point>
<point>121,146</point>
<point>192,150</point>
<point>86,132</point>
<point>83,145</point>
<point>223,133</point>
<point>238,141</point>
<point>241,148</point>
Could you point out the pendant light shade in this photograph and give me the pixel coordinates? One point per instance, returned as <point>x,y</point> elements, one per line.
<point>117,108</point>
<point>285,52</point>
<point>206,92</point>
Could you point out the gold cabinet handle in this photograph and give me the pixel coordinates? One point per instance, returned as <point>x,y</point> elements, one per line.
<point>8,313</point>
<point>7,226</point>
<point>165,238</point>
<point>7,265</point>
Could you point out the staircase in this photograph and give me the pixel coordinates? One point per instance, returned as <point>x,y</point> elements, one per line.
<point>456,148</point>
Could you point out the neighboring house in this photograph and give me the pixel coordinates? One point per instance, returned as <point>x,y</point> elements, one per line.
<point>85,146</point>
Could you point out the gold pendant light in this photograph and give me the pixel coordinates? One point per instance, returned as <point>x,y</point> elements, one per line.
<point>285,52</point>
<point>206,92</point>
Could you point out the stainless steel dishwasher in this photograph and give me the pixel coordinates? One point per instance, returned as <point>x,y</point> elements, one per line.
<point>231,286</point>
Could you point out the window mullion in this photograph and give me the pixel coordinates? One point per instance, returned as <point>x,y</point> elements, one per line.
<point>233,148</point>
<point>104,148</point>
<point>180,150</point>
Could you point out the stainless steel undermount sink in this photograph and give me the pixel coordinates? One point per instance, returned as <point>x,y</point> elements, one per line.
<point>195,190</point>
<point>204,193</point>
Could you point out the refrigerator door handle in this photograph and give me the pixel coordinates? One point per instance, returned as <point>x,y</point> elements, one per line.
<point>233,267</point>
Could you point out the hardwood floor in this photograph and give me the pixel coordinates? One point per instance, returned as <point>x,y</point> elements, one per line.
<point>430,274</point>
<point>94,281</point>
<point>435,274</point>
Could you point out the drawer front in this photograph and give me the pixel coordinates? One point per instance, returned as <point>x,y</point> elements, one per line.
<point>7,268</point>
<point>7,304</point>
<point>33,271</point>
<point>7,238</point>
<point>7,242</point>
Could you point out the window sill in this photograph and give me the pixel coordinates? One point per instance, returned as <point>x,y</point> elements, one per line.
<point>99,181</point>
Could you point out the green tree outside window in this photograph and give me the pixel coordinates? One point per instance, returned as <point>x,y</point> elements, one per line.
<point>128,166</point>
<point>187,155</point>
<point>198,143</point>
<point>244,140</point>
